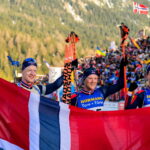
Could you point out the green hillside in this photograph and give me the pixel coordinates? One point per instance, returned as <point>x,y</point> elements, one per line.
<point>38,28</point>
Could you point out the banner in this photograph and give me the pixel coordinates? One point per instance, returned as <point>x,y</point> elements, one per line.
<point>67,83</point>
<point>67,73</point>
<point>31,122</point>
<point>134,43</point>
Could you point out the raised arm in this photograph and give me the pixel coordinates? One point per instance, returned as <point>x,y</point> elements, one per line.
<point>49,88</point>
<point>111,89</point>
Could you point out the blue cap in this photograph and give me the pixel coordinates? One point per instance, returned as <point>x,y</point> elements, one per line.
<point>88,72</point>
<point>28,62</point>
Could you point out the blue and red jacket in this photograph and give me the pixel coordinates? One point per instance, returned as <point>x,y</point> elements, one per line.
<point>94,100</point>
<point>43,89</point>
<point>140,99</point>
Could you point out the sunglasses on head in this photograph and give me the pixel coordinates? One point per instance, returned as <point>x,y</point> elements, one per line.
<point>30,60</point>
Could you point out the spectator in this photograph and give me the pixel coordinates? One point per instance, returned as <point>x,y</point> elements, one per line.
<point>141,98</point>
<point>124,32</point>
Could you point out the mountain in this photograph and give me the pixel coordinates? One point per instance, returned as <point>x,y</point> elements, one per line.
<point>38,28</point>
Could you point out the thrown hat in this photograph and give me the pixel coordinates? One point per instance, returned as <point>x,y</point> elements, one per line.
<point>88,72</point>
<point>28,62</point>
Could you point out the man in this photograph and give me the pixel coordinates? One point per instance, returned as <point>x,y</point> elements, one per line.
<point>141,98</point>
<point>73,37</point>
<point>124,32</point>
<point>91,97</point>
<point>29,71</point>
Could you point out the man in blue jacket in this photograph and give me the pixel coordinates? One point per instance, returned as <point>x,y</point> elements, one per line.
<point>91,97</point>
<point>141,98</point>
<point>29,71</point>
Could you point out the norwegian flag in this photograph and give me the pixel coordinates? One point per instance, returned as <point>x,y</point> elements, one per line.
<point>31,122</point>
<point>135,7</point>
<point>140,8</point>
<point>143,9</point>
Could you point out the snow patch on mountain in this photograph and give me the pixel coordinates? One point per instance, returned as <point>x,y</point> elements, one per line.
<point>70,10</point>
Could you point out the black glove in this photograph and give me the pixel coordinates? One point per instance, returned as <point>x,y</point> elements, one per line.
<point>124,62</point>
<point>74,63</point>
<point>67,40</point>
<point>71,35</point>
<point>132,86</point>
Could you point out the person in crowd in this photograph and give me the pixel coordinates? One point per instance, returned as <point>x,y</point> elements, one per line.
<point>142,97</point>
<point>124,32</point>
<point>92,98</point>
<point>29,72</point>
<point>73,37</point>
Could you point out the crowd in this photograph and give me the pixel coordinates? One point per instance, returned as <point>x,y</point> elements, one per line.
<point>108,66</point>
<point>98,78</point>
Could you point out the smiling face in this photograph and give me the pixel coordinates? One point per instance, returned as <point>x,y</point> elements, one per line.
<point>29,74</point>
<point>90,82</point>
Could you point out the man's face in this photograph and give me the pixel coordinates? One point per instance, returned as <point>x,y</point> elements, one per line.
<point>29,74</point>
<point>90,82</point>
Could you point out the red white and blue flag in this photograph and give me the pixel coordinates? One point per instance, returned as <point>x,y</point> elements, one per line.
<point>31,122</point>
<point>140,8</point>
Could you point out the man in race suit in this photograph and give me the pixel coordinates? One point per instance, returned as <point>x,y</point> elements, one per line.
<point>93,98</point>
<point>142,97</point>
<point>29,71</point>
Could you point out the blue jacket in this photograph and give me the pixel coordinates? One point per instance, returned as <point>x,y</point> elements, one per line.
<point>95,100</point>
<point>43,89</point>
<point>140,99</point>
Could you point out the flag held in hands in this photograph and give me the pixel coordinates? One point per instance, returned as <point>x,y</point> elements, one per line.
<point>13,63</point>
<point>31,122</point>
<point>99,52</point>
